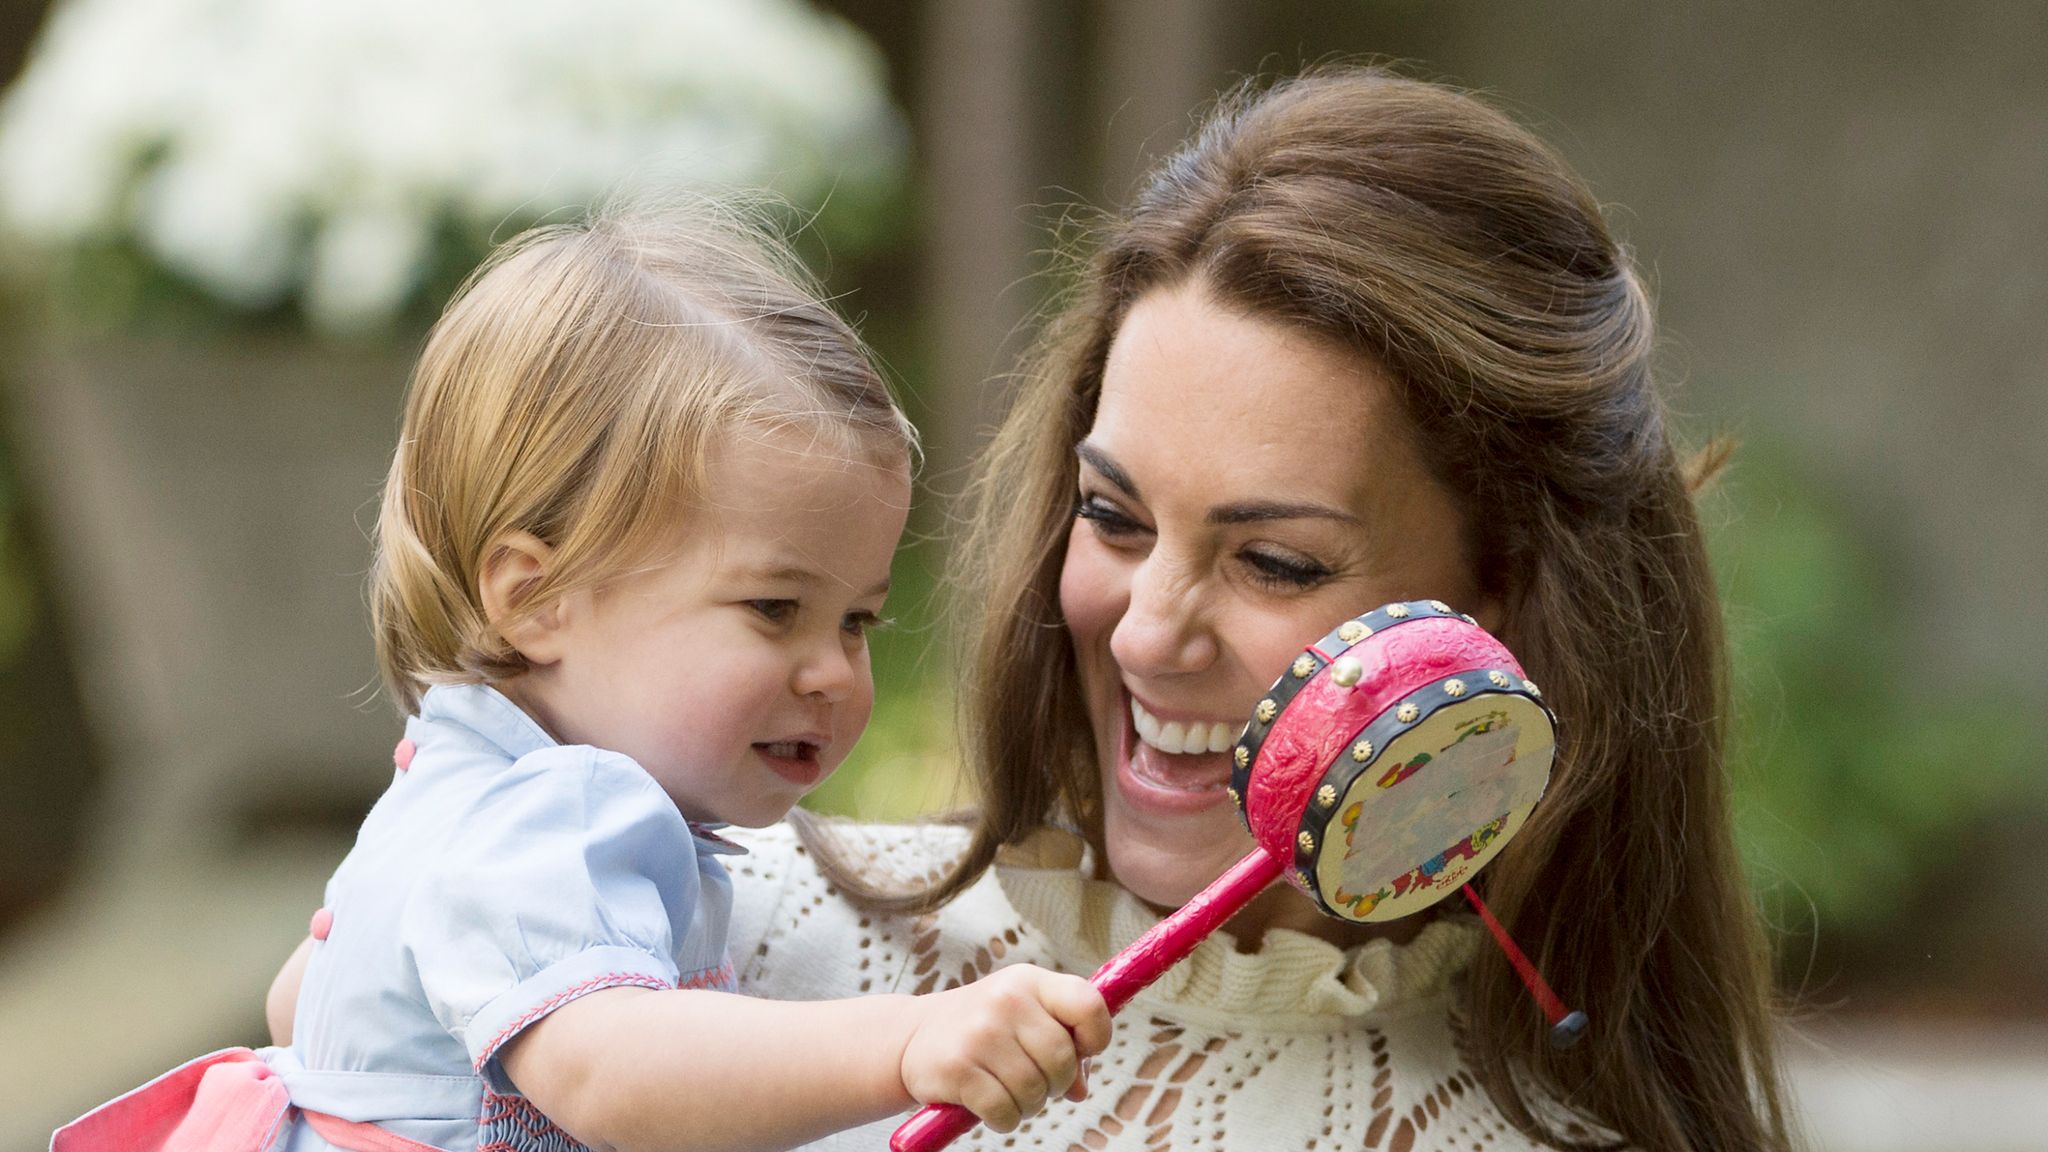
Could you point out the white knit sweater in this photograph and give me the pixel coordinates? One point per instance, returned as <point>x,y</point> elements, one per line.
<point>1296,1046</point>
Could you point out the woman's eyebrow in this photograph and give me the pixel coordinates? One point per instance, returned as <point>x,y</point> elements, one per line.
<point>1253,511</point>
<point>1099,460</point>
<point>1238,512</point>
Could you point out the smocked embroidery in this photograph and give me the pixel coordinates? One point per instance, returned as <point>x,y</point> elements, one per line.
<point>718,979</point>
<point>513,1124</point>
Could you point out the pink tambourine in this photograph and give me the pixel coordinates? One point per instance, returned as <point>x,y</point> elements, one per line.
<point>1394,759</point>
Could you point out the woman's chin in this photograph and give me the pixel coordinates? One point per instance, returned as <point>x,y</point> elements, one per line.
<point>1165,861</point>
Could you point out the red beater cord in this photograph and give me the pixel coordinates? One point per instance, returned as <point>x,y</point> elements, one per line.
<point>1545,998</point>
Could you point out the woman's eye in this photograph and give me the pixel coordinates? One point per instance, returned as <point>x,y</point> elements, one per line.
<point>1108,519</point>
<point>774,611</point>
<point>1285,571</point>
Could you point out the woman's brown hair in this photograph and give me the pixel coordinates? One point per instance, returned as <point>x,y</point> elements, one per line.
<point>1444,242</point>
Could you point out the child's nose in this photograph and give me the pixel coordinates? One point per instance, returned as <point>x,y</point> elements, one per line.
<point>827,671</point>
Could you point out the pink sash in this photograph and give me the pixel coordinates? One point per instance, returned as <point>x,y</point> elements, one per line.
<point>227,1101</point>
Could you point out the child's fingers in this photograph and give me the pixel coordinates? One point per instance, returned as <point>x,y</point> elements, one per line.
<point>1051,1048</point>
<point>1078,1090</point>
<point>984,1094</point>
<point>1075,1003</point>
<point>1024,1072</point>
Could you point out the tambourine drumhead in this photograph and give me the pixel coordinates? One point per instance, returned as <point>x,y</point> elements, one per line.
<point>1397,756</point>
<point>1440,799</point>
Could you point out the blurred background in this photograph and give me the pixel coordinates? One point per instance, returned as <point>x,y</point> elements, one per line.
<point>228,222</point>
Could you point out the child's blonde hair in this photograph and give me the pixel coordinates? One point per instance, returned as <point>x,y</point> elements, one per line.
<point>572,390</point>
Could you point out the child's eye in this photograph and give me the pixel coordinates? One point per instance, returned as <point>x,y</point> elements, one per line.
<point>1110,521</point>
<point>862,623</point>
<point>1277,570</point>
<point>774,611</point>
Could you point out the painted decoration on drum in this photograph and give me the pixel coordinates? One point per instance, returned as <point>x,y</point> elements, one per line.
<point>1406,838</point>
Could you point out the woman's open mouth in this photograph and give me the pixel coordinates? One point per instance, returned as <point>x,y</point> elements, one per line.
<point>1176,737</point>
<point>1172,765</point>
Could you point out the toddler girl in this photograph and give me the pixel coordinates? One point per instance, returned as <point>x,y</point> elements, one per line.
<point>639,521</point>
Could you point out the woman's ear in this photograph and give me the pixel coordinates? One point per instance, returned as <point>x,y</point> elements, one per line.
<point>1491,614</point>
<point>514,565</point>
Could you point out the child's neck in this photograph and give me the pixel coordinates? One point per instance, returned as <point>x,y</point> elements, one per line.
<point>526,693</point>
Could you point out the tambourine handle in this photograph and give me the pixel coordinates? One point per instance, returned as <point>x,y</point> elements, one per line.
<point>1168,942</point>
<point>934,1127</point>
<point>1128,973</point>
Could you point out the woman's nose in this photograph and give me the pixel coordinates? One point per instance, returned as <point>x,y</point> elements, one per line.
<point>1164,629</point>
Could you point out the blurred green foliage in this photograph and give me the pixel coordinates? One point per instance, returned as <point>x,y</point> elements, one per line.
<point>1856,777</point>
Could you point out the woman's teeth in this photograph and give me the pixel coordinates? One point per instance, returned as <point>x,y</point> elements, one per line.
<point>1193,736</point>
<point>789,749</point>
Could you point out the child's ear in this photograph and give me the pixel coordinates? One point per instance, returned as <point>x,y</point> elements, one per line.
<point>516,563</point>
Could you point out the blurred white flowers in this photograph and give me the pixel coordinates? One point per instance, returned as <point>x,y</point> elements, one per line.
<point>267,149</point>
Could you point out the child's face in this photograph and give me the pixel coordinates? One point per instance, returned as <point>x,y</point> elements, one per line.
<point>736,670</point>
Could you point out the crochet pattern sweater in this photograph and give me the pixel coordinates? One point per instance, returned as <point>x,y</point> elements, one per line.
<point>1296,1046</point>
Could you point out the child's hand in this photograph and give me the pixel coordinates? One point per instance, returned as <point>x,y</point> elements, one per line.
<point>1004,1045</point>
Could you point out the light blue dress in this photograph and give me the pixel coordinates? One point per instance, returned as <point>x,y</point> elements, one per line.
<point>501,877</point>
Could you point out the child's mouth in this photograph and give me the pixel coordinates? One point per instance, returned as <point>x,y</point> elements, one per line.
<point>794,760</point>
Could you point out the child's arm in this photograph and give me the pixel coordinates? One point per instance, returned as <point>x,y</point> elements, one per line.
<point>632,1068</point>
<point>282,1002</point>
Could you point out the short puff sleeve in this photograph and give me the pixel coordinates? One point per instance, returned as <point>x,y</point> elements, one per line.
<point>574,873</point>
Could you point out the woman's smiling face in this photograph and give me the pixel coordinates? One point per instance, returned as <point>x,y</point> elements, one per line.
<point>1245,487</point>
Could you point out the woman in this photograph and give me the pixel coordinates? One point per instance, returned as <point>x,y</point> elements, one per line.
<point>1363,339</point>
